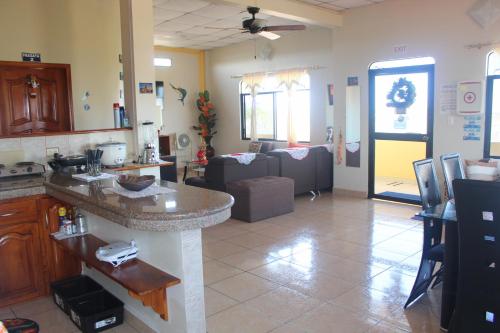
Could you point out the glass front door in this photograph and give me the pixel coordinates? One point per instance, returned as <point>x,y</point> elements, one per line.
<point>401,121</point>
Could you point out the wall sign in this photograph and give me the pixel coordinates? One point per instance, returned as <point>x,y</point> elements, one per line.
<point>469,97</point>
<point>31,57</point>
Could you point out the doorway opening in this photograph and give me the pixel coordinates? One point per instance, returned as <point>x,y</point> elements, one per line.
<point>400,126</point>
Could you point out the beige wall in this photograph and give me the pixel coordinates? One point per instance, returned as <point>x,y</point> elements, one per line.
<point>439,29</point>
<point>84,34</point>
<point>178,118</point>
<point>296,49</point>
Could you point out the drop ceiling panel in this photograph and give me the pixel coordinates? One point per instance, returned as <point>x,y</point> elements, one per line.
<point>203,25</point>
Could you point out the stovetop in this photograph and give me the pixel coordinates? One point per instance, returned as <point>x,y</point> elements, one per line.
<point>21,169</point>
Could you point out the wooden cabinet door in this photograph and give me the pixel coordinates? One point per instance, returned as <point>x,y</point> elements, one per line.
<point>21,273</point>
<point>59,264</point>
<point>34,98</point>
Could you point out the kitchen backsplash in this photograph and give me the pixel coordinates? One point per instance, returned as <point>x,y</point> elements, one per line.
<point>34,149</point>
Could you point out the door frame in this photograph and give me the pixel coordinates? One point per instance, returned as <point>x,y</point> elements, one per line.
<point>489,115</point>
<point>373,136</point>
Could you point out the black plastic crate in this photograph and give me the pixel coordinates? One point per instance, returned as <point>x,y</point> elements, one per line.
<point>96,312</point>
<point>65,290</point>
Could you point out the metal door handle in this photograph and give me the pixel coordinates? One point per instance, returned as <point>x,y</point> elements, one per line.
<point>425,138</point>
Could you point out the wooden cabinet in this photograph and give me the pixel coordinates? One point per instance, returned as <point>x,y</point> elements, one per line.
<point>29,260</point>
<point>21,272</point>
<point>34,97</point>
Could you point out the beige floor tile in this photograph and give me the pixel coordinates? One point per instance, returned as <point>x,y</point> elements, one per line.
<point>244,286</point>
<point>216,302</point>
<point>240,319</point>
<point>123,328</point>
<point>384,327</point>
<point>320,285</point>
<point>285,247</point>
<point>283,304</point>
<point>251,240</point>
<point>54,320</point>
<point>280,232</point>
<point>342,248</point>
<point>329,318</point>
<point>214,271</point>
<point>248,260</point>
<point>220,249</point>
<point>393,283</point>
<point>25,310</point>
<point>282,272</point>
<point>222,231</point>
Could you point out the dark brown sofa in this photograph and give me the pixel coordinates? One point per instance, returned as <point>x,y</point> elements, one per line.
<point>312,173</point>
<point>222,170</point>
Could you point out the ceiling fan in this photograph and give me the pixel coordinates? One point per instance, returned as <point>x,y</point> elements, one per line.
<point>258,26</point>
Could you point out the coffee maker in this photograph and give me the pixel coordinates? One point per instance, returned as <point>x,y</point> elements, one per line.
<point>149,155</point>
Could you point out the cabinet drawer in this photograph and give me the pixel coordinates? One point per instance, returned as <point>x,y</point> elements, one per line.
<point>18,211</point>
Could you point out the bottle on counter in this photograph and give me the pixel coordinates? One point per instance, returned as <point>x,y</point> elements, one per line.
<point>81,224</point>
<point>116,114</point>
<point>62,217</point>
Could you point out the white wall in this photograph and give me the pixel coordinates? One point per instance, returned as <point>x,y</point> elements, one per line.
<point>439,29</point>
<point>297,49</point>
<point>84,34</point>
<point>178,118</point>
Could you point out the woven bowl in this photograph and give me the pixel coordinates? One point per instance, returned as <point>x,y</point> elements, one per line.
<point>135,183</point>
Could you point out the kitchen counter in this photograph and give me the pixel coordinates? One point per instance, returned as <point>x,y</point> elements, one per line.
<point>23,186</point>
<point>185,209</point>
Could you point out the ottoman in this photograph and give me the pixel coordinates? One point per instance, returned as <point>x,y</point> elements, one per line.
<point>261,198</point>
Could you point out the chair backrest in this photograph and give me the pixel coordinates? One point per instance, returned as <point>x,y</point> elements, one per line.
<point>478,215</point>
<point>452,169</point>
<point>427,181</point>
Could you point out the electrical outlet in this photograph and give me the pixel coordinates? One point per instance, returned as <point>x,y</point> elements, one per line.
<point>51,151</point>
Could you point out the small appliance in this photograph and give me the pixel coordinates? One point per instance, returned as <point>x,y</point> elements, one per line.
<point>117,253</point>
<point>21,169</point>
<point>114,153</point>
<point>149,155</point>
<point>72,163</point>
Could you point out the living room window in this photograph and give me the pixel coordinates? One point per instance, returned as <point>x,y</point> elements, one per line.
<point>275,104</point>
<point>492,123</point>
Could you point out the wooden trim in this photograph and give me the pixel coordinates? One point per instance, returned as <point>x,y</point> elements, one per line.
<point>139,166</point>
<point>66,132</point>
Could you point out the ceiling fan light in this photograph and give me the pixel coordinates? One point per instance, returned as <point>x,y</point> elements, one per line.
<point>269,35</point>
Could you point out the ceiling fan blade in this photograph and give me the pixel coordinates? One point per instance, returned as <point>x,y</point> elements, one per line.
<point>284,27</point>
<point>269,35</point>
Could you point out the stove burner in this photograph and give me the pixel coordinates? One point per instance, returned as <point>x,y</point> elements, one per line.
<point>21,164</point>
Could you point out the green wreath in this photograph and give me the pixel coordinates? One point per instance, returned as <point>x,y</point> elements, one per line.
<point>402,94</point>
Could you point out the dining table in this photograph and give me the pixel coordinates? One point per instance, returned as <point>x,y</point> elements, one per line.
<point>446,213</point>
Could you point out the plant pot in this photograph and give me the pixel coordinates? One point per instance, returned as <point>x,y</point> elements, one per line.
<point>210,151</point>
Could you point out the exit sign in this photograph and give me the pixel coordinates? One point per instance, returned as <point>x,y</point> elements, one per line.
<point>400,49</point>
<point>31,57</point>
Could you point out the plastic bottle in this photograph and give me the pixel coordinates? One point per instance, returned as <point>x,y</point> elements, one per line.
<point>116,113</point>
<point>62,216</point>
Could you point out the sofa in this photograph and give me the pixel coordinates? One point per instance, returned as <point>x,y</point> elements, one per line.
<point>312,173</point>
<point>221,170</point>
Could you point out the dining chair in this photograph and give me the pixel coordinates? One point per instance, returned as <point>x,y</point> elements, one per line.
<point>477,306</point>
<point>453,168</point>
<point>432,248</point>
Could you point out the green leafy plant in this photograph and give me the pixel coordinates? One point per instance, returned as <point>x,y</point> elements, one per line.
<point>207,117</point>
<point>402,94</point>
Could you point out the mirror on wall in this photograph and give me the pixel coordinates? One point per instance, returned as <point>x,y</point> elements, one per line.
<point>78,94</point>
<point>353,126</point>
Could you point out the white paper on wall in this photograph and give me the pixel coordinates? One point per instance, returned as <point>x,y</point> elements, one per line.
<point>469,97</point>
<point>448,98</point>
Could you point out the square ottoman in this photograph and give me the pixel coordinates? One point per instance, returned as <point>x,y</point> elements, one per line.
<point>261,198</point>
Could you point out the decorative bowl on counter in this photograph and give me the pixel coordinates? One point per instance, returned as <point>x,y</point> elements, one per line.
<point>135,183</point>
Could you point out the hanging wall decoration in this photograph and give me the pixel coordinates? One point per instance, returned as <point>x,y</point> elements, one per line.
<point>182,93</point>
<point>401,97</point>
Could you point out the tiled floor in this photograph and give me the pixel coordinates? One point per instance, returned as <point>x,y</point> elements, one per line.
<point>334,265</point>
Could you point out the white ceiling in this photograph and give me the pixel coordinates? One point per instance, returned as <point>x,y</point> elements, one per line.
<point>200,24</point>
<point>340,5</point>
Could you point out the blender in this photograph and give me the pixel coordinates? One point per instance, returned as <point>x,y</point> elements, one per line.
<point>149,153</point>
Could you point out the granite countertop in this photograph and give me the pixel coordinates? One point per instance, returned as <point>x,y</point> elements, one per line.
<point>23,186</point>
<point>185,208</point>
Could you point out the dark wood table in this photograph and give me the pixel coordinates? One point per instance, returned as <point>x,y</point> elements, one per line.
<point>446,213</point>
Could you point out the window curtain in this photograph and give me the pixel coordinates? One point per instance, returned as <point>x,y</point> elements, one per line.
<point>291,80</point>
<point>253,82</point>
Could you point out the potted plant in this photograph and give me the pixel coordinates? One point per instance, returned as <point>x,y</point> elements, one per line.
<point>206,121</point>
